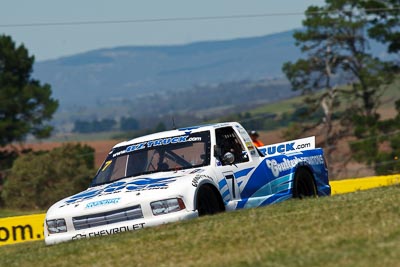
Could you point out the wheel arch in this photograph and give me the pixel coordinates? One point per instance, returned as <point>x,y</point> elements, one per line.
<point>214,190</point>
<point>306,167</point>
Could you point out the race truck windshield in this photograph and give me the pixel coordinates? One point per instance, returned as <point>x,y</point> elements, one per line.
<point>159,155</point>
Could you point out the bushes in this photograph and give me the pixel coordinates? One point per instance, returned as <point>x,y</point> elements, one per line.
<point>36,181</point>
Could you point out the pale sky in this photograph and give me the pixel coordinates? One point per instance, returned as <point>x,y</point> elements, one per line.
<point>49,42</point>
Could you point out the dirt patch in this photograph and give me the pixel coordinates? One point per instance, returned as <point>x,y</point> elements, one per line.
<point>342,166</point>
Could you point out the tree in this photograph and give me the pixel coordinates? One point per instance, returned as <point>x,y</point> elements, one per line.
<point>104,125</point>
<point>129,124</point>
<point>36,181</point>
<point>314,77</point>
<point>382,151</point>
<point>25,104</point>
<point>385,21</point>
<point>335,44</point>
<point>160,127</point>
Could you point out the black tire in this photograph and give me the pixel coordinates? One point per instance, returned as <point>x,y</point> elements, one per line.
<point>207,201</point>
<point>304,185</point>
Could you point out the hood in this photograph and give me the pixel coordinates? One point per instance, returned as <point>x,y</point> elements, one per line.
<point>125,192</point>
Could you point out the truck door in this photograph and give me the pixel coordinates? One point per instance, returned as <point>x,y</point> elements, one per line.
<point>231,176</point>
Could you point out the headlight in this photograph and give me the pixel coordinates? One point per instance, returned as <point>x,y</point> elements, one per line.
<point>56,226</point>
<point>167,206</point>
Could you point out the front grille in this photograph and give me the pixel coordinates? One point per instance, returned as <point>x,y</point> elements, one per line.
<point>110,217</point>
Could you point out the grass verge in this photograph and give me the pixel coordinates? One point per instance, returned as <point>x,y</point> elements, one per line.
<point>288,105</point>
<point>10,213</point>
<point>356,229</point>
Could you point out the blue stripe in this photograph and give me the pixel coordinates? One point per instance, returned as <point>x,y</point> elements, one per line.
<point>284,187</point>
<point>243,172</point>
<point>256,201</point>
<point>225,194</point>
<point>263,191</point>
<point>281,180</point>
<point>222,183</point>
<point>276,198</point>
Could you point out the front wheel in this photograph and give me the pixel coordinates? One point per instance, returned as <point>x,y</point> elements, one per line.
<point>207,201</point>
<point>304,185</point>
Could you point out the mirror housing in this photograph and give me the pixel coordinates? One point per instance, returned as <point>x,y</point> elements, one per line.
<point>217,151</point>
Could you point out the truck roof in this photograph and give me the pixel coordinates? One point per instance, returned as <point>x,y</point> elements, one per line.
<point>177,132</point>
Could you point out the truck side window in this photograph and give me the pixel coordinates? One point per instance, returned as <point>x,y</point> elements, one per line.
<point>228,141</point>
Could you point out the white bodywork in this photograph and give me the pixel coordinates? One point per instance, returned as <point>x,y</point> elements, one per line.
<point>125,204</point>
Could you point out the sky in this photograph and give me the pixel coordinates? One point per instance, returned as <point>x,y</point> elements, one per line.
<point>54,41</point>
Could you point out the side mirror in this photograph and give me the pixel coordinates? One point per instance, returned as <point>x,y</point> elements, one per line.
<point>217,151</point>
<point>228,158</point>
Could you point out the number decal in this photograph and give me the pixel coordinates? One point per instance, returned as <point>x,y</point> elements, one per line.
<point>106,165</point>
<point>230,176</point>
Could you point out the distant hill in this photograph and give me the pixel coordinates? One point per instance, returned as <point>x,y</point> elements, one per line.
<point>87,78</point>
<point>195,80</point>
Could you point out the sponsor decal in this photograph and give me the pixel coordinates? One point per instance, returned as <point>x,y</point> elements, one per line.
<point>195,181</point>
<point>194,139</point>
<point>250,146</point>
<point>281,148</point>
<point>119,153</point>
<point>159,142</point>
<point>111,231</point>
<point>196,171</point>
<point>78,236</point>
<point>287,164</point>
<point>141,184</point>
<point>103,202</point>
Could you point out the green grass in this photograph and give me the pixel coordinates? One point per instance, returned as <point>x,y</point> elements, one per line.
<point>392,94</point>
<point>10,213</point>
<point>356,229</point>
<point>278,108</point>
<point>288,105</point>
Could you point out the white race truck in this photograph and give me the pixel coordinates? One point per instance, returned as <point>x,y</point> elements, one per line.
<point>186,173</point>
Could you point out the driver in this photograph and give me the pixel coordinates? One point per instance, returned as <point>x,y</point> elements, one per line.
<point>254,138</point>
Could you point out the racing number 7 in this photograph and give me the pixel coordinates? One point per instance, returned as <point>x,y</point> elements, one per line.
<point>231,177</point>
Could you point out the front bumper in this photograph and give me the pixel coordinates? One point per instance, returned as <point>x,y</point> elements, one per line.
<point>115,228</point>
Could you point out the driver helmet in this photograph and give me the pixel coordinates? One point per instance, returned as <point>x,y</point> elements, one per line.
<point>254,133</point>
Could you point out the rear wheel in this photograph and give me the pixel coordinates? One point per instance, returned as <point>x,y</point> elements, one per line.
<point>207,201</point>
<point>304,185</point>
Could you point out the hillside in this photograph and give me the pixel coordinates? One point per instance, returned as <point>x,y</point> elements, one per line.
<point>355,229</point>
<point>129,72</point>
<point>196,81</point>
